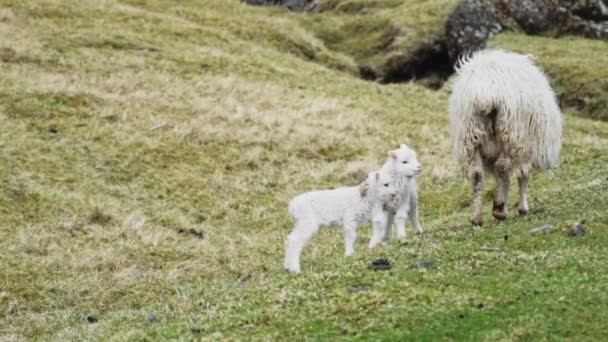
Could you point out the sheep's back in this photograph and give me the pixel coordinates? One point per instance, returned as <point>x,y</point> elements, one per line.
<point>527,118</point>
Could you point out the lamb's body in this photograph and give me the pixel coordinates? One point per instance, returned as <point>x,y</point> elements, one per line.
<point>504,117</point>
<point>342,206</point>
<point>403,167</point>
<point>406,206</point>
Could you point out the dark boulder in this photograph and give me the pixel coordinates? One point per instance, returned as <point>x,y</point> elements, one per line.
<point>473,22</point>
<point>292,5</point>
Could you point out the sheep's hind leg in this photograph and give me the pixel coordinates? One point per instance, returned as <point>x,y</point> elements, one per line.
<point>477,182</point>
<point>523,195</point>
<point>296,241</point>
<point>350,236</point>
<point>501,196</point>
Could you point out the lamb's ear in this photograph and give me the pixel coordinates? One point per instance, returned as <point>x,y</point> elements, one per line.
<point>392,154</point>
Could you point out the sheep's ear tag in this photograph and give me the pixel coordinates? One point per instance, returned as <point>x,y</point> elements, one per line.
<point>377,176</point>
<point>392,154</point>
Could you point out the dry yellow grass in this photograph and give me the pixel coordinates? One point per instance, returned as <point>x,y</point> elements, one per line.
<point>124,125</point>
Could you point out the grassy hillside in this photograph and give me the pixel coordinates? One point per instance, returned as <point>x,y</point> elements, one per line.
<point>149,148</point>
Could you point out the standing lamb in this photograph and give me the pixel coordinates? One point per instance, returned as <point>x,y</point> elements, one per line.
<point>403,166</point>
<point>504,117</point>
<point>346,206</point>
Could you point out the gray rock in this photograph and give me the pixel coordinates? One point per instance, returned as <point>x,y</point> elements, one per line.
<point>544,229</point>
<point>292,5</point>
<point>473,22</point>
<point>422,264</point>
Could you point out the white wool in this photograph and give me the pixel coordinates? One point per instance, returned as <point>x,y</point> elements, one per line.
<point>342,206</point>
<point>403,166</point>
<point>528,122</point>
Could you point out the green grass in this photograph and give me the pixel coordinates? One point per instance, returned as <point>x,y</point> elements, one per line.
<point>123,123</point>
<point>378,34</point>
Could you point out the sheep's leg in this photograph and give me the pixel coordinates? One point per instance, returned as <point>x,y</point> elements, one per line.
<point>379,220</point>
<point>413,213</point>
<point>390,219</point>
<point>477,182</point>
<point>400,218</point>
<point>499,209</point>
<point>523,194</point>
<point>296,241</point>
<point>350,236</point>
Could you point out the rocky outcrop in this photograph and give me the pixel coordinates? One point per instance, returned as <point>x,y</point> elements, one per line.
<point>292,5</point>
<point>473,22</point>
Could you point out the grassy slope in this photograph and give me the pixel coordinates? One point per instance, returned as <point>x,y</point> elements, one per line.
<point>92,195</point>
<point>378,33</point>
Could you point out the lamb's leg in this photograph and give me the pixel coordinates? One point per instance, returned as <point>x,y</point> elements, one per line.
<point>477,181</point>
<point>413,213</point>
<point>379,218</point>
<point>296,241</point>
<point>350,236</point>
<point>523,194</point>
<point>390,219</point>
<point>501,196</point>
<point>400,218</point>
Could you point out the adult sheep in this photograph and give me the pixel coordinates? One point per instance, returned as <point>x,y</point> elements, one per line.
<point>504,118</point>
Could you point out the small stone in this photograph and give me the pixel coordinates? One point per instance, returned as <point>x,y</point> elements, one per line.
<point>577,229</point>
<point>91,319</point>
<point>506,237</point>
<point>152,318</point>
<point>380,265</point>
<point>357,289</point>
<point>422,264</point>
<point>53,130</point>
<point>544,229</point>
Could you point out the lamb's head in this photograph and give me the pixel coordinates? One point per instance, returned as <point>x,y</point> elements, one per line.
<point>381,186</point>
<point>403,162</point>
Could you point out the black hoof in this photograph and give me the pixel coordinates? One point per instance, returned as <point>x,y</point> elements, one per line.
<point>499,211</point>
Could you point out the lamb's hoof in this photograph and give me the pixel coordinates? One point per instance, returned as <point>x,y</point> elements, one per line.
<point>419,232</point>
<point>403,241</point>
<point>522,212</point>
<point>292,268</point>
<point>477,223</point>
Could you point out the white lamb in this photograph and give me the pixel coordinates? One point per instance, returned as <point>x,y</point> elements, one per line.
<point>346,206</point>
<point>503,117</point>
<point>403,166</point>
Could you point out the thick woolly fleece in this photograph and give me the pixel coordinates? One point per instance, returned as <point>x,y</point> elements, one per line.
<point>503,104</point>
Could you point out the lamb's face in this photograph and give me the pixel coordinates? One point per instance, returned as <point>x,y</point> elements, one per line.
<point>382,185</point>
<point>405,162</point>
